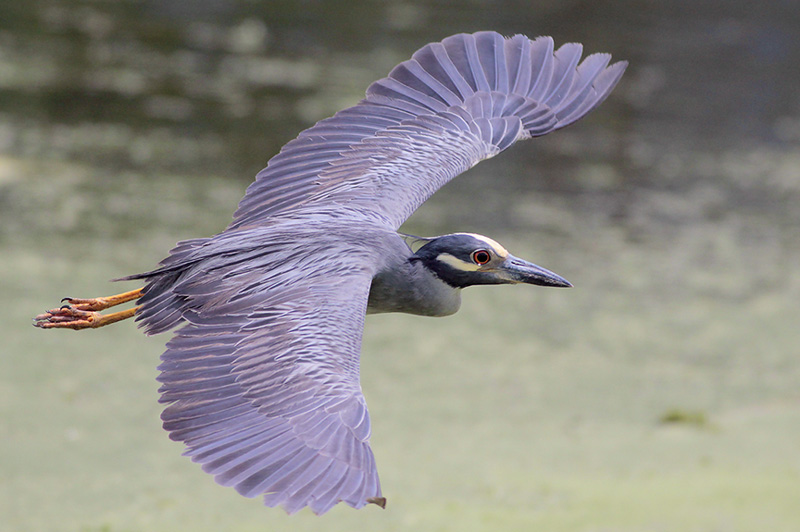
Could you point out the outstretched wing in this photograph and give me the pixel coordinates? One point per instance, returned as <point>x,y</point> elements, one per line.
<point>436,115</point>
<point>262,384</point>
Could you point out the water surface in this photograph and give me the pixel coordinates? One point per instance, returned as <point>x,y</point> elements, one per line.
<point>659,394</point>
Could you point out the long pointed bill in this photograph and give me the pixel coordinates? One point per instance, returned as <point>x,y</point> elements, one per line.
<point>517,270</point>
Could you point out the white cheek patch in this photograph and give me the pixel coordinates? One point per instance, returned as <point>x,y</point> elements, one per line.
<point>457,263</point>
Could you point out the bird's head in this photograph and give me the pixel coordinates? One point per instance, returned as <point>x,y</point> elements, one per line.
<point>466,259</point>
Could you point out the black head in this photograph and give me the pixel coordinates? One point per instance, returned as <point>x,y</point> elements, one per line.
<point>466,259</point>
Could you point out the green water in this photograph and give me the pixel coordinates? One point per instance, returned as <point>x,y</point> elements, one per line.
<point>662,393</point>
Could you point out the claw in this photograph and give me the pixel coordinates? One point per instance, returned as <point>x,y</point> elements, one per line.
<point>68,317</point>
<point>95,303</point>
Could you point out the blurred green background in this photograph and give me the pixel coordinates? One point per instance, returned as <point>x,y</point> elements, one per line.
<point>662,393</point>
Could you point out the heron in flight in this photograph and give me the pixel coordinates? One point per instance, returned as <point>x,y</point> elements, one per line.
<point>261,380</point>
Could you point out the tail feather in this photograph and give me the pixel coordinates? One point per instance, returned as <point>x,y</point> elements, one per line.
<point>160,308</point>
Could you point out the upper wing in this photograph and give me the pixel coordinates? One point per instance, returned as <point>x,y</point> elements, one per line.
<point>263,381</point>
<point>451,105</point>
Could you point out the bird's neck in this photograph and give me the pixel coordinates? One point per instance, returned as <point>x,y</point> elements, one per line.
<point>409,287</point>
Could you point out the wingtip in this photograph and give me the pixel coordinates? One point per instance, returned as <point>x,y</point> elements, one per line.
<point>607,80</point>
<point>379,501</point>
<point>618,67</point>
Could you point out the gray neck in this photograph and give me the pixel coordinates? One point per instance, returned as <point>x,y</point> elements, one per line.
<point>408,286</point>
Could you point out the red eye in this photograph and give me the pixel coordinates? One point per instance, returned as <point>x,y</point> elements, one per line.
<point>481,257</point>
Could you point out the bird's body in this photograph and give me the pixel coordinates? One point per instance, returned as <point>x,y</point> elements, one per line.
<point>261,381</point>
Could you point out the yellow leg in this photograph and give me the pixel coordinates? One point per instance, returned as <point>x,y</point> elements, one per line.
<point>83,313</point>
<point>102,303</point>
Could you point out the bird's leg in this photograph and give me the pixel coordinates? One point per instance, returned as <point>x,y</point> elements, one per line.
<point>102,303</point>
<point>85,313</point>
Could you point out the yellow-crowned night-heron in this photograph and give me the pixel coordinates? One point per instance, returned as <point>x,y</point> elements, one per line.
<point>261,381</point>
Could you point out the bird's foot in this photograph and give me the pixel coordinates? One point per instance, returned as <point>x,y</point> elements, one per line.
<point>68,317</point>
<point>84,313</point>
